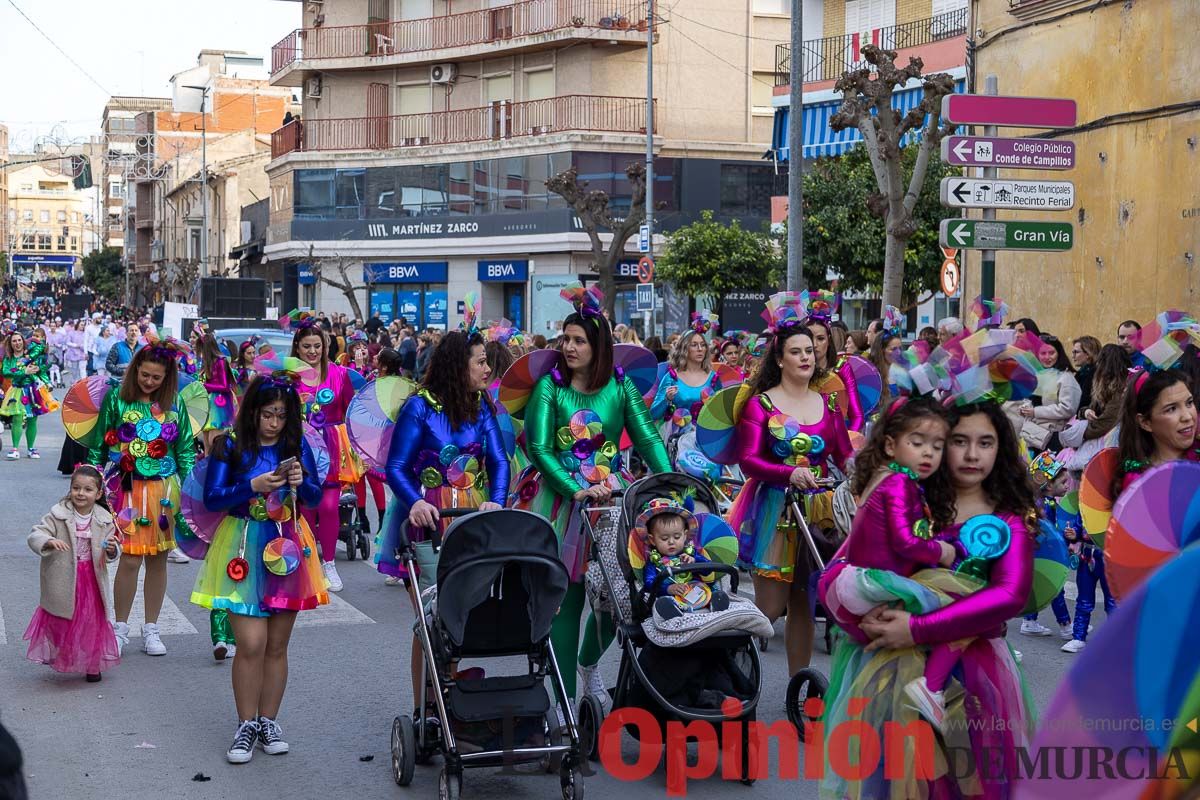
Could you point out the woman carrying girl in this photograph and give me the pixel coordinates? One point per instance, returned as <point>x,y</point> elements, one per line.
<point>571,467</point>
<point>70,631</point>
<point>262,564</point>
<point>325,401</point>
<point>982,476</point>
<point>789,434</point>
<point>446,452</point>
<point>28,396</point>
<point>148,447</point>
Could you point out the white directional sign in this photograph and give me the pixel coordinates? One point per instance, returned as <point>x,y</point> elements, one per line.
<point>998,193</point>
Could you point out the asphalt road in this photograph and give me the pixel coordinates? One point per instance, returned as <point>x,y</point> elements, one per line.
<point>153,726</point>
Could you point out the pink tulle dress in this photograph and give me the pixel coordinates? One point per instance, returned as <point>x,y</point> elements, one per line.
<point>85,643</point>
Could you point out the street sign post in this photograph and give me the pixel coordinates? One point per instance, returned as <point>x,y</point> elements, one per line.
<point>1012,112</point>
<point>975,234</point>
<point>645,270</point>
<point>645,296</point>
<point>951,274</point>
<point>644,239</point>
<point>1039,195</point>
<point>992,151</point>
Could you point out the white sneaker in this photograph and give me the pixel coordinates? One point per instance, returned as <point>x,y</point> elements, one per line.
<point>121,629</point>
<point>391,580</point>
<point>1074,646</point>
<point>270,737</point>
<point>1017,657</point>
<point>230,650</point>
<point>220,651</point>
<point>13,455</point>
<point>244,740</point>
<point>593,684</point>
<point>331,575</point>
<point>930,705</point>
<point>1031,627</point>
<point>151,643</point>
<point>1066,631</point>
<point>176,556</point>
<point>34,454</point>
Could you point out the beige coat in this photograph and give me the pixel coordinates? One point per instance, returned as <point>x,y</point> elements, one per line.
<point>58,567</point>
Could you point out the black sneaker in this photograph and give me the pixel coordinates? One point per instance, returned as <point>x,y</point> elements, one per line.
<point>270,737</point>
<point>242,749</point>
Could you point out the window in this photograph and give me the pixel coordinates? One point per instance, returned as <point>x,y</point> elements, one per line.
<point>28,241</point>
<point>45,215</point>
<point>62,243</point>
<point>28,215</point>
<point>868,15</point>
<point>62,216</point>
<point>74,243</point>
<point>193,244</point>
<point>760,91</point>
<point>43,242</point>
<point>539,84</point>
<point>416,9</point>
<point>314,194</point>
<point>350,193</point>
<point>746,190</point>
<point>772,7</point>
<point>114,190</point>
<point>416,99</point>
<point>75,215</point>
<point>498,87</point>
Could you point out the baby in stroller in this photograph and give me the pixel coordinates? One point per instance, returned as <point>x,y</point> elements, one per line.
<point>669,528</point>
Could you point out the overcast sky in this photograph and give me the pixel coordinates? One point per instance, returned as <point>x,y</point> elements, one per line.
<point>129,47</point>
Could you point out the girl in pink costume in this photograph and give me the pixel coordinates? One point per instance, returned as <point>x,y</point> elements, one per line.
<point>788,435</point>
<point>325,403</point>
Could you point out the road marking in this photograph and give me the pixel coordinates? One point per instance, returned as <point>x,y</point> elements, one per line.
<point>171,621</point>
<point>3,636</point>
<point>338,612</point>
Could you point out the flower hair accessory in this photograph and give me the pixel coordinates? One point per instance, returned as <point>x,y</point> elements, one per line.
<point>282,373</point>
<point>1045,467</point>
<point>471,307</point>
<point>784,310</point>
<point>588,302</point>
<point>893,321</point>
<point>990,313</point>
<point>357,336</point>
<point>822,304</point>
<point>1162,341</point>
<point>165,347</point>
<point>503,331</point>
<point>705,321</point>
<point>297,319</point>
<point>986,365</point>
<point>680,505</point>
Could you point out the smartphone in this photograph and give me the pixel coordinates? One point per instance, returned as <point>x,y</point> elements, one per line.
<point>285,466</point>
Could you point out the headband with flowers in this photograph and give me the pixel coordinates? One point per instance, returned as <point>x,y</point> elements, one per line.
<point>990,313</point>
<point>296,319</point>
<point>356,336</point>
<point>503,331</point>
<point>705,321</point>
<point>282,373</point>
<point>165,346</point>
<point>589,302</point>
<point>784,310</point>
<point>893,321</point>
<point>821,304</point>
<point>1162,341</point>
<point>471,309</point>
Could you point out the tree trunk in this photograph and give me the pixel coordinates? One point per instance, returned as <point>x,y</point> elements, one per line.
<point>352,296</point>
<point>893,270</point>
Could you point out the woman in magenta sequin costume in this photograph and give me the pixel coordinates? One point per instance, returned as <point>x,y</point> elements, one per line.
<point>981,474</point>
<point>788,435</point>
<point>325,403</point>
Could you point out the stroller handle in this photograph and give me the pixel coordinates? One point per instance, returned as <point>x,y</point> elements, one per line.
<point>704,566</point>
<point>403,545</point>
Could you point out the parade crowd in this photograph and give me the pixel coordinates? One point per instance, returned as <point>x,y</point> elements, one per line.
<point>936,476</point>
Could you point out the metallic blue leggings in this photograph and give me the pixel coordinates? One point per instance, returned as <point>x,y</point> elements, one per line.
<point>1086,578</point>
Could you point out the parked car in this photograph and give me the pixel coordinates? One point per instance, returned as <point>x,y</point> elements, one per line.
<point>280,341</point>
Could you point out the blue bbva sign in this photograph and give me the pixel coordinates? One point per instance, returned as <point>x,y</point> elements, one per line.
<point>406,272</point>
<point>508,271</point>
<point>305,275</point>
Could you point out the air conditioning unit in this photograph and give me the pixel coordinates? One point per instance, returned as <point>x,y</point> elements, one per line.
<point>312,87</point>
<point>443,73</point>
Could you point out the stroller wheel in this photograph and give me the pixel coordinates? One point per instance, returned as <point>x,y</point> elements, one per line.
<point>571,781</point>
<point>404,750</point>
<point>554,736</point>
<point>805,684</point>
<point>364,547</point>
<point>449,785</point>
<point>590,715</point>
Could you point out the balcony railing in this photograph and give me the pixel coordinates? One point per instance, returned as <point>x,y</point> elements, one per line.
<point>826,59</point>
<point>496,122</point>
<point>524,18</point>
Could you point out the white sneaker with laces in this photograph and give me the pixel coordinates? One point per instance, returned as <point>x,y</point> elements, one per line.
<point>121,629</point>
<point>176,556</point>
<point>34,454</point>
<point>1031,627</point>
<point>930,705</point>
<point>1017,657</point>
<point>244,740</point>
<point>13,455</point>
<point>152,645</point>
<point>270,737</point>
<point>1066,631</point>
<point>331,575</point>
<point>593,684</point>
<point>230,650</point>
<point>1074,646</point>
<point>391,580</point>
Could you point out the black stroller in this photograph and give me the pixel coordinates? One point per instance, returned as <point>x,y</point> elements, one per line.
<point>727,661</point>
<point>500,582</point>
<point>353,529</point>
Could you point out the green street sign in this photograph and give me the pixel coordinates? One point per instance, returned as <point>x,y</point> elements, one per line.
<point>975,234</point>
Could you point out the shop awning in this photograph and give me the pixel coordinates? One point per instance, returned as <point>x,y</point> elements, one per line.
<point>820,140</point>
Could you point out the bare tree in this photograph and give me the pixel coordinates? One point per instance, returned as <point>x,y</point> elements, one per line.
<point>339,279</point>
<point>867,106</point>
<point>592,208</point>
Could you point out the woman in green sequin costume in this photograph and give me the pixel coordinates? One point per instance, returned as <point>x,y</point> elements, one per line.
<point>573,424</point>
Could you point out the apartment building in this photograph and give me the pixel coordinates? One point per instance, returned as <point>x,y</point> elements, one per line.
<point>4,224</point>
<point>117,166</point>
<point>427,133</point>
<point>167,145</point>
<point>49,221</point>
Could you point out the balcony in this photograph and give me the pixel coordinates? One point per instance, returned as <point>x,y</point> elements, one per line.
<point>826,59</point>
<point>499,121</point>
<point>521,26</point>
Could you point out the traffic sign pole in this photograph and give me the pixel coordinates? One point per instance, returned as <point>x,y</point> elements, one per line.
<point>987,273</point>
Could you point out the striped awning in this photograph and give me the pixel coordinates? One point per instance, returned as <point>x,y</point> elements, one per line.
<point>821,140</point>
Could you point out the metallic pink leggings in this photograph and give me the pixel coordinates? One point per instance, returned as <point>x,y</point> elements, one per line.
<point>324,521</point>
